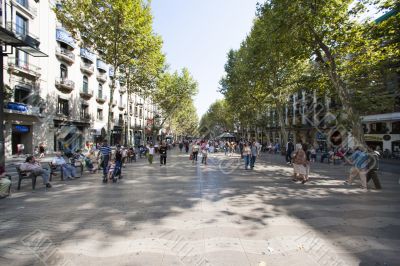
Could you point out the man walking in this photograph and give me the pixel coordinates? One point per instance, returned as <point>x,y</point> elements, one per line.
<point>359,160</point>
<point>105,153</point>
<point>163,154</point>
<point>289,151</point>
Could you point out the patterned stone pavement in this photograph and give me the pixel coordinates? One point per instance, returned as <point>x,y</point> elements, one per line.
<point>218,214</point>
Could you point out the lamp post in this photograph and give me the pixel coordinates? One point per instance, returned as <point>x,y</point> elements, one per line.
<point>10,39</point>
<point>126,129</point>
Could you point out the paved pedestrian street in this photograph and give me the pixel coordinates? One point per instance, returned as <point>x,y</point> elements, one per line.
<point>215,214</point>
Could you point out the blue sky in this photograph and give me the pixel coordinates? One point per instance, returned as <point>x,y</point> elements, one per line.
<point>198,34</point>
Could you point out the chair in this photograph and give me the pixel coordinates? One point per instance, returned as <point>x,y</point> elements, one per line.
<point>25,175</point>
<point>9,188</point>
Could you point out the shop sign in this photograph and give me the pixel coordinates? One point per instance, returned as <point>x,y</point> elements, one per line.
<point>370,137</point>
<point>20,129</point>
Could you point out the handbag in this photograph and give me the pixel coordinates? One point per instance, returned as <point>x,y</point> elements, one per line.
<point>191,157</point>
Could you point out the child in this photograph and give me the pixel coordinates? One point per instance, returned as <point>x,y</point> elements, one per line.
<point>111,167</point>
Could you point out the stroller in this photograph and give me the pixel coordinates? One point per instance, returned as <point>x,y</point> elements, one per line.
<point>117,174</point>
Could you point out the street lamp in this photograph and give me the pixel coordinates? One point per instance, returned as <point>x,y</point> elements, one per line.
<point>126,129</point>
<point>10,38</point>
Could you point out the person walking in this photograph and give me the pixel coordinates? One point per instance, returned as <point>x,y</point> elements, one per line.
<point>300,164</point>
<point>254,154</point>
<point>204,152</point>
<point>289,150</point>
<point>151,154</point>
<point>195,152</point>
<point>359,160</point>
<point>186,146</point>
<point>42,150</point>
<point>246,155</point>
<point>180,146</point>
<point>163,153</point>
<point>105,153</point>
<point>119,156</point>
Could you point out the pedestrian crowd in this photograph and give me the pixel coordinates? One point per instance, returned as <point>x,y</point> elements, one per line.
<point>300,156</point>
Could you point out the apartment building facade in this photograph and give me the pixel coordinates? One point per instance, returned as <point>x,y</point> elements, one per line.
<point>63,100</point>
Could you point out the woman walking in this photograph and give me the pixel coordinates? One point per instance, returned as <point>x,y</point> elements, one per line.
<point>300,164</point>
<point>246,155</point>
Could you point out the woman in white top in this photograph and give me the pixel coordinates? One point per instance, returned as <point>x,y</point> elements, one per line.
<point>151,154</point>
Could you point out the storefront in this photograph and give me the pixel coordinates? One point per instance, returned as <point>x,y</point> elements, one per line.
<point>116,136</point>
<point>383,142</point>
<point>22,124</point>
<point>21,137</point>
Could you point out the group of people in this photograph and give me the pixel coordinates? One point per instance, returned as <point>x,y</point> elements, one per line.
<point>363,161</point>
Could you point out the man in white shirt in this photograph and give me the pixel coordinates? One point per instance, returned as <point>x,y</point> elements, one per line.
<point>69,170</point>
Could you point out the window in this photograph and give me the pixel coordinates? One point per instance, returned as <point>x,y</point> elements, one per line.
<point>378,128</point>
<point>21,59</point>
<point>63,71</point>
<point>100,92</point>
<point>84,111</point>
<point>63,107</point>
<point>21,95</point>
<point>23,3</point>
<point>130,109</point>
<point>85,85</point>
<point>136,111</point>
<point>100,114</point>
<point>120,99</point>
<point>21,25</point>
<point>395,128</point>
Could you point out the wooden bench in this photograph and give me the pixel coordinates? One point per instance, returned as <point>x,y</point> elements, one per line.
<point>25,175</point>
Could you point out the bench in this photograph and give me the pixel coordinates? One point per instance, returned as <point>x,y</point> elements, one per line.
<point>25,175</point>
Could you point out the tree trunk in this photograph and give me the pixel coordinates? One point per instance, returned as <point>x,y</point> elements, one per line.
<point>352,117</point>
<point>110,108</point>
<point>281,119</point>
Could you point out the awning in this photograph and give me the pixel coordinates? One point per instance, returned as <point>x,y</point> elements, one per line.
<point>381,117</point>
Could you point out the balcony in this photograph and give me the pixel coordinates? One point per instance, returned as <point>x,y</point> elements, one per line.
<point>101,77</point>
<point>63,36</point>
<point>88,55</point>
<point>102,66</point>
<point>23,35</point>
<point>87,68</point>
<point>65,55</point>
<point>19,66</point>
<point>65,85</point>
<point>25,7</point>
<point>121,106</point>
<point>122,89</point>
<point>114,103</point>
<point>101,99</point>
<point>21,108</point>
<point>86,93</point>
<point>85,117</point>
